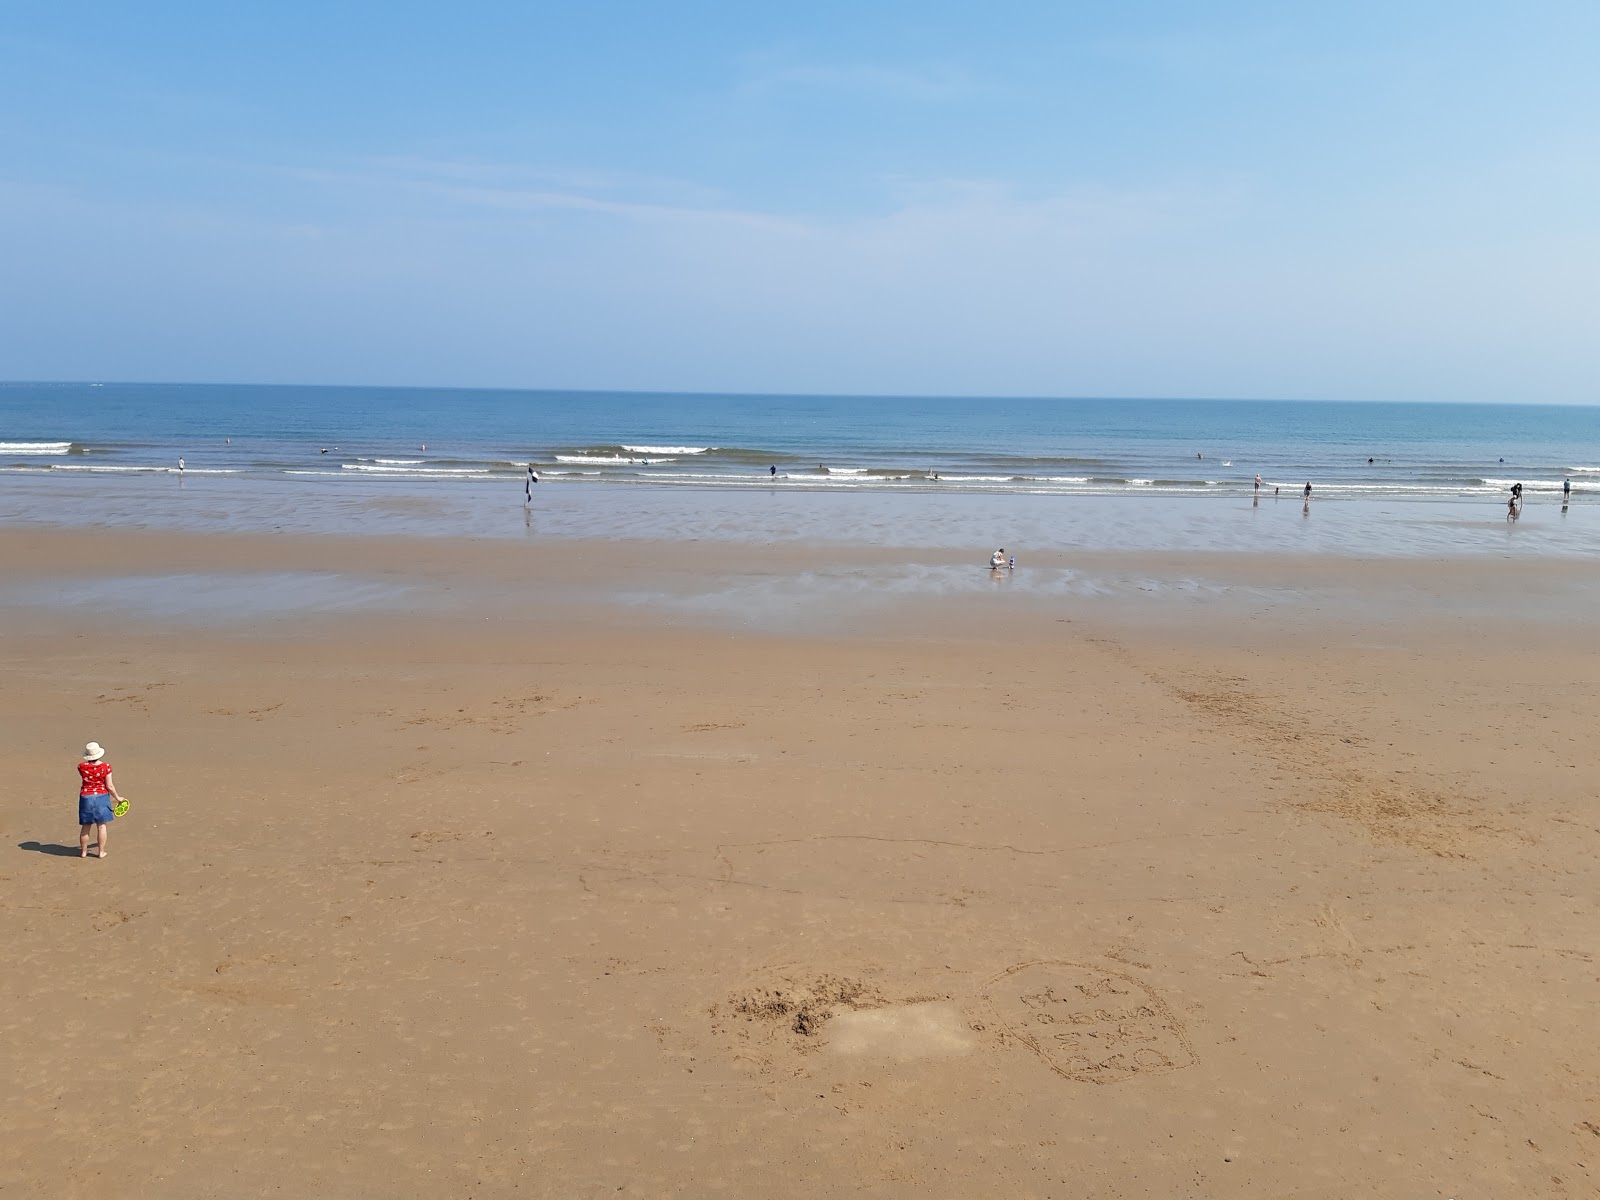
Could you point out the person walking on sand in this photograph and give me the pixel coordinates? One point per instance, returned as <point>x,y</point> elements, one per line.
<point>96,792</point>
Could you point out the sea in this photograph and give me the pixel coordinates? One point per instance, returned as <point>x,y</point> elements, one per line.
<point>1407,478</point>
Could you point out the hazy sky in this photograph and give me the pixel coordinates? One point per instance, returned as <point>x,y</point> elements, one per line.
<point>1344,200</point>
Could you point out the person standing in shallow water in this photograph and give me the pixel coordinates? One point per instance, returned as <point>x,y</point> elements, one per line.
<point>96,792</point>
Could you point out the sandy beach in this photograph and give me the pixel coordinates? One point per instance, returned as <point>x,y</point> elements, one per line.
<point>511,869</point>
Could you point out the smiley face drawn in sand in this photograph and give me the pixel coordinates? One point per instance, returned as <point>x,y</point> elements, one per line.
<point>1089,1023</point>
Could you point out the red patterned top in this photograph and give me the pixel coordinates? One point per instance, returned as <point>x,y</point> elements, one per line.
<point>94,778</point>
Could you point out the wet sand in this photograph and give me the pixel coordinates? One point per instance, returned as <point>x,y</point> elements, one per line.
<point>1348,523</point>
<point>457,869</point>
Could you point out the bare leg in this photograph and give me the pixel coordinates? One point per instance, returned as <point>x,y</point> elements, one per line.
<point>83,840</point>
<point>101,833</point>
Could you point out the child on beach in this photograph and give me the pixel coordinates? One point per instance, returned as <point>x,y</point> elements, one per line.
<point>96,792</point>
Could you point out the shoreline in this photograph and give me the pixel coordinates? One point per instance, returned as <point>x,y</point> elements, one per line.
<point>1030,524</point>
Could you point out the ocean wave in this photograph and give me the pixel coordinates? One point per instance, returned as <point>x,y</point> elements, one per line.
<point>1528,485</point>
<point>36,447</point>
<point>146,470</point>
<point>415,474</point>
<point>1015,460</point>
<point>668,449</point>
<point>412,470</point>
<point>609,459</point>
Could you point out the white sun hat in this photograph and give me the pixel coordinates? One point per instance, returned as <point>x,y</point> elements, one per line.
<point>93,752</point>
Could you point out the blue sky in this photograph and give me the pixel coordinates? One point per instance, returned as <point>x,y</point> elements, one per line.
<point>1355,201</point>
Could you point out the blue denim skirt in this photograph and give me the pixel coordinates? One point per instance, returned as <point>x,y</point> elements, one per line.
<point>94,809</point>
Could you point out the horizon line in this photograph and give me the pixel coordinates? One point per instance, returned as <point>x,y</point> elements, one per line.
<point>779,395</point>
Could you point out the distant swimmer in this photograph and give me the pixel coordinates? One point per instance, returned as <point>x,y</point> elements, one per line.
<point>1199,455</point>
<point>324,450</point>
<point>772,471</point>
<point>1369,461</point>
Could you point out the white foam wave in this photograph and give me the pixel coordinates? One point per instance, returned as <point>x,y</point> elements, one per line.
<point>107,470</point>
<point>397,473</point>
<point>845,470</point>
<point>666,449</point>
<point>615,459</point>
<point>35,447</point>
<point>411,470</point>
<point>1528,485</point>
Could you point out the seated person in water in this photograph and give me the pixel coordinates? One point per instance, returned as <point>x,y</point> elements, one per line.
<point>998,558</point>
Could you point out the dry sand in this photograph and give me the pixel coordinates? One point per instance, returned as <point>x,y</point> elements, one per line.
<point>525,896</point>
